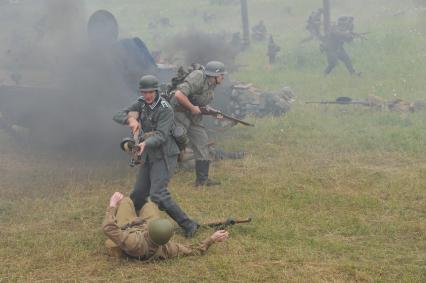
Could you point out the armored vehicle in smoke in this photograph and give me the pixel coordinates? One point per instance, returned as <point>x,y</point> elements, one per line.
<point>68,97</point>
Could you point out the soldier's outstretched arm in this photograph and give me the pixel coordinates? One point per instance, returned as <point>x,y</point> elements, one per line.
<point>109,226</point>
<point>122,116</point>
<point>175,250</point>
<point>121,238</point>
<point>129,117</point>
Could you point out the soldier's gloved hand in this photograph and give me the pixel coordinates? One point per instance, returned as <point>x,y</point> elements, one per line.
<point>220,236</point>
<point>195,110</point>
<point>133,125</point>
<point>115,199</point>
<point>141,147</point>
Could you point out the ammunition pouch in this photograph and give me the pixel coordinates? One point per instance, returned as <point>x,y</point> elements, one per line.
<point>148,134</point>
<point>180,136</point>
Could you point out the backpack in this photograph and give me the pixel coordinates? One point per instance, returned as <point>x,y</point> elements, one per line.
<point>169,90</point>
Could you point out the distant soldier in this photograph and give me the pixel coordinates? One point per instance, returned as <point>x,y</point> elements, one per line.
<point>259,32</point>
<point>152,116</point>
<point>236,42</point>
<point>333,44</point>
<point>196,91</point>
<point>273,49</point>
<point>313,26</point>
<point>146,237</point>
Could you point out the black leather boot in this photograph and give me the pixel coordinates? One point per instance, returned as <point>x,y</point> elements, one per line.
<point>189,226</point>
<point>202,174</point>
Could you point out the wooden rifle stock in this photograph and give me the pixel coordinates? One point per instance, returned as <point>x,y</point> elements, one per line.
<point>207,110</point>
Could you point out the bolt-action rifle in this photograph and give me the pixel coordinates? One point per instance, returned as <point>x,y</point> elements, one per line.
<point>207,110</point>
<point>343,100</point>
<point>223,224</point>
<point>361,35</point>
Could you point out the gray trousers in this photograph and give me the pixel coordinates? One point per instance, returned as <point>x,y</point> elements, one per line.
<point>152,181</point>
<point>196,133</point>
<point>333,56</point>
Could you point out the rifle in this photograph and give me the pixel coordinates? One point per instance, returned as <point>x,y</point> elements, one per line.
<point>223,224</point>
<point>207,110</point>
<point>361,35</point>
<point>343,100</point>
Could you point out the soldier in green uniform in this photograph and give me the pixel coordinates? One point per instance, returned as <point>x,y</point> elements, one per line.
<point>333,45</point>
<point>146,237</point>
<point>152,117</point>
<point>196,91</point>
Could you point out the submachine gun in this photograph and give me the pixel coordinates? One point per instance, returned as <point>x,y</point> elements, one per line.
<point>223,224</point>
<point>207,110</point>
<point>131,146</point>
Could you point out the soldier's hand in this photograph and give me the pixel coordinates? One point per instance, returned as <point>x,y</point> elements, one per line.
<point>220,236</point>
<point>115,199</point>
<point>219,117</point>
<point>195,110</point>
<point>141,147</point>
<point>133,125</point>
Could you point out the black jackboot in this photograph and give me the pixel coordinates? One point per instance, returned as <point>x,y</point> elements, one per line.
<point>189,226</point>
<point>202,174</point>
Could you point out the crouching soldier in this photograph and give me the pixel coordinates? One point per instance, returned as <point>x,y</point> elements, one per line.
<point>146,237</point>
<point>197,91</point>
<point>153,116</point>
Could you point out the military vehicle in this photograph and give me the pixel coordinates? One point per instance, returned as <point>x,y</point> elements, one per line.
<point>71,103</point>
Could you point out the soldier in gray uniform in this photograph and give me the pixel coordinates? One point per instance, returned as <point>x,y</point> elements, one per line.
<point>196,91</point>
<point>333,45</point>
<point>273,49</point>
<point>152,116</point>
<point>313,26</point>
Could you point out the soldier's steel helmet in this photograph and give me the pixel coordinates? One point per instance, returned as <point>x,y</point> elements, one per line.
<point>160,231</point>
<point>215,69</point>
<point>148,83</point>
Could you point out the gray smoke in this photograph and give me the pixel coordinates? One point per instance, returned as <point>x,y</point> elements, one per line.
<point>198,47</point>
<point>65,87</point>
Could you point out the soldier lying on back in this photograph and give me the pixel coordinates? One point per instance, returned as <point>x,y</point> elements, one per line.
<point>147,237</point>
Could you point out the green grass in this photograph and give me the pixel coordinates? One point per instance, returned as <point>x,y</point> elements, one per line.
<point>336,192</point>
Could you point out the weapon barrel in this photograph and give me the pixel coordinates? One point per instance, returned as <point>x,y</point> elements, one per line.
<point>356,102</point>
<point>237,120</point>
<point>227,222</point>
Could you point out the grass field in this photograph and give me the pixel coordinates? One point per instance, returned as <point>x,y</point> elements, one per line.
<point>337,193</point>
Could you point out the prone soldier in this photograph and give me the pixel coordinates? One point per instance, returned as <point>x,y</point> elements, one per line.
<point>153,115</point>
<point>146,237</point>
